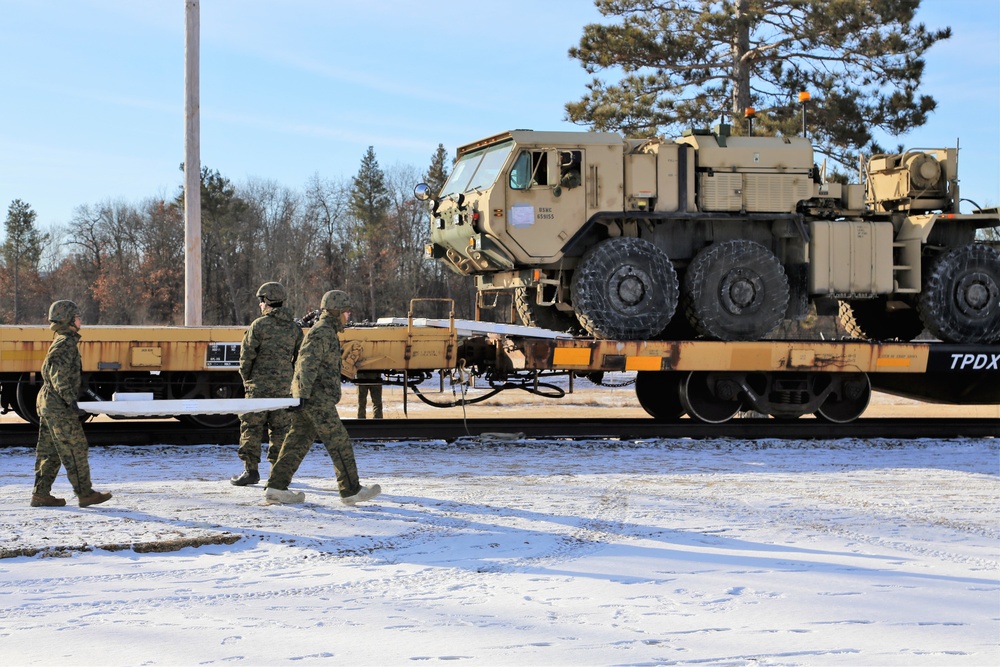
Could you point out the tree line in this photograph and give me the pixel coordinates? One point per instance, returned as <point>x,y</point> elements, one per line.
<point>123,262</point>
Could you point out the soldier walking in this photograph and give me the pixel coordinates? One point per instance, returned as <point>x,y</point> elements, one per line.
<point>267,361</point>
<point>316,384</point>
<point>61,441</point>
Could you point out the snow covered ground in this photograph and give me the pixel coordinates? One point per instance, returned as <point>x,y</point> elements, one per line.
<point>520,552</point>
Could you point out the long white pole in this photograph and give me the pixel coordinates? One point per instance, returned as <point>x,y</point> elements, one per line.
<point>192,168</point>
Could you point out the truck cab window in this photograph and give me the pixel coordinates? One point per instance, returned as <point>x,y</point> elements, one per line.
<point>569,168</point>
<point>477,169</point>
<point>529,170</point>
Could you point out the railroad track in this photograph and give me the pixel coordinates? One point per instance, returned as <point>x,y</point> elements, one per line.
<point>171,432</point>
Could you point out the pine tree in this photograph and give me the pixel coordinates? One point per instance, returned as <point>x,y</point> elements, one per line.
<point>369,203</point>
<point>22,249</point>
<point>691,63</point>
<point>437,173</point>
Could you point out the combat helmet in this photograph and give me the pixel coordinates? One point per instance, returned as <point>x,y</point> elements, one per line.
<point>63,312</point>
<point>271,293</point>
<point>335,300</point>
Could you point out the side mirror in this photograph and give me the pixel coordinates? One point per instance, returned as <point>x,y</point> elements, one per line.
<point>422,192</point>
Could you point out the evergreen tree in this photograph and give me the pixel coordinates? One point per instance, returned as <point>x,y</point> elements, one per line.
<point>368,204</point>
<point>22,250</point>
<point>437,173</point>
<point>690,63</point>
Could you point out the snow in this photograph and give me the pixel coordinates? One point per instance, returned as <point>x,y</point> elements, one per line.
<point>672,552</point>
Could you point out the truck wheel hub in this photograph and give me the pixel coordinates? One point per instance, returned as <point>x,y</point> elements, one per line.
<point>630,288</point>
<point>972,293</point>
<point>739,290</point>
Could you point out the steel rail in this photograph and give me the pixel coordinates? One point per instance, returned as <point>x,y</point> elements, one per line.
<point>170,432</point>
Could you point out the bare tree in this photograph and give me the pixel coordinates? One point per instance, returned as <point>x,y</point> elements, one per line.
<point>161,270</point>
<point>327,226</point>
<point>274,214</point>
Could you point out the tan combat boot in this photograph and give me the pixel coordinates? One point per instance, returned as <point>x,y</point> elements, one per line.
<point>47,500</point>
<point>95,498</point>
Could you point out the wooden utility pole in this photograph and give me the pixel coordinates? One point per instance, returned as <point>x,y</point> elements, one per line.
<point>192,168</point>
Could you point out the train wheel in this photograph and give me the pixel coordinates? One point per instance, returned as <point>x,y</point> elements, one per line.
<point>659,394</point>
<point>849,401</point>
<point>710,397</point>
<point>625,288</point>
<point>735,290</point>
<point>960,302</point>
<point>547,317</point>
<point>210,421</point>
<point>25,405</point>
<point>223,385</point>
<point>27,394</point>
<point>871,319</point>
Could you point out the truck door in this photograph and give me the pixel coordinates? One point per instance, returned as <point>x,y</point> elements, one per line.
<point>546,200</point>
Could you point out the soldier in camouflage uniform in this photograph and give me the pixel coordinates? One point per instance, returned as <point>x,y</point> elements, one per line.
<point>267,361</point>
<point>61,441</point>
<point>317,386</point>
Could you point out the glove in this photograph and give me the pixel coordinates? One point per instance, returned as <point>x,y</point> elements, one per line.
<point>75,406</point>
<point>296,408</point>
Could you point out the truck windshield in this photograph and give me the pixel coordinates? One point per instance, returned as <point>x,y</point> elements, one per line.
<point>478,169</point>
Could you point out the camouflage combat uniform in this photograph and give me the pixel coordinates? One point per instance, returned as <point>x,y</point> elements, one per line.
<point>61,440</point>
<point>267,361</point>
<point>369,382</point>
<point>317,382</point>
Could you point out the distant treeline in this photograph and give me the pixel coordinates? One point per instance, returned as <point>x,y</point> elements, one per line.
<point>123,262</point>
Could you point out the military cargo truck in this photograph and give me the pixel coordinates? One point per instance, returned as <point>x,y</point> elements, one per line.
<point>715,236</point>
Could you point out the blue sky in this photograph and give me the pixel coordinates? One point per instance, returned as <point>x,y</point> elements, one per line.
<point>92,103</point>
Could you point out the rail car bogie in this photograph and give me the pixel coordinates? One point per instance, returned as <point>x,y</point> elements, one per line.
<point>718,396</point>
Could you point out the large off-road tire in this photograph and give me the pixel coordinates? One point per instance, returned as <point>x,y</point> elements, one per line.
<point>960,301</point>
<point>735,290</point>
<point>679,328</point>
<point>871,319</point>
<point>624,289</point>
<point>798,292</point>
<point>547,317</point>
